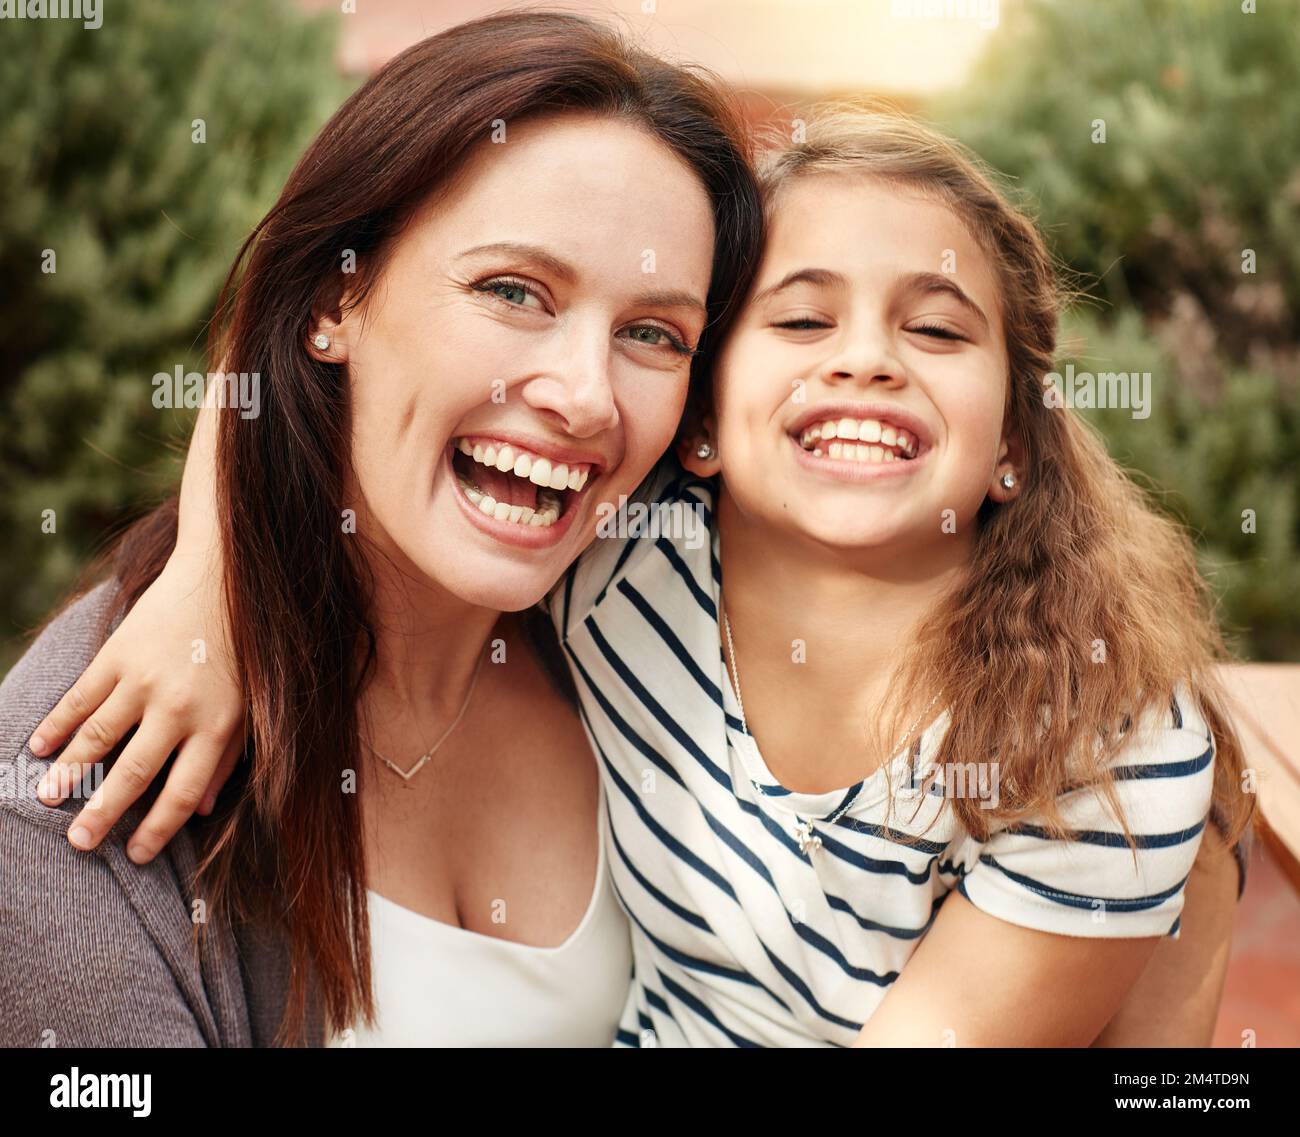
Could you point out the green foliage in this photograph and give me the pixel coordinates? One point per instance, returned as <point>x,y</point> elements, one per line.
<point>1201,161</point>
<point>100,167</point>
<point>1224,464</point>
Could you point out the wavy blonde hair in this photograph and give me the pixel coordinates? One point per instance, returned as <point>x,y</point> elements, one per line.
<point>1080,555</point>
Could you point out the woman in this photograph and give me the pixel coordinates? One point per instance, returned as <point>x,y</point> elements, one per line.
<point>469,441</point>
<point>370,611</point>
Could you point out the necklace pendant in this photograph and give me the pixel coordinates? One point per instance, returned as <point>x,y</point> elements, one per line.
<point>809,842</point>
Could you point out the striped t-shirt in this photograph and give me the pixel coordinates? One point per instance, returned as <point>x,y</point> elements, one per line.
<point>741,935</point>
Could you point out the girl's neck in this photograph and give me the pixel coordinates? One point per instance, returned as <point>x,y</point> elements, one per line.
<point>823,630</point>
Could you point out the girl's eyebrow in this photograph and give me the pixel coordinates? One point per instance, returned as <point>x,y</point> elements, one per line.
<point>821,276</point>
<point>931,283</point>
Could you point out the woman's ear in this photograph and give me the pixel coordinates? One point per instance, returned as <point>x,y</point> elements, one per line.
<point>333,318</point>
<point>697,448</point>
<point>327,341</point>
<point>1009,473</point>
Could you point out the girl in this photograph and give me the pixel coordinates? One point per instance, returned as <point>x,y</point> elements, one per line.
<point>933,768</point>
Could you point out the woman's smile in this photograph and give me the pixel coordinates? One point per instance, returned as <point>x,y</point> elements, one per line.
<point>519,490</point>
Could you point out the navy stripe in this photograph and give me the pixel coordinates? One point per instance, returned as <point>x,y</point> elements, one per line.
<point>666,720</point>
<point>1111,840</point>
<point>675,645</point>
<point>702,598</point>
<point>663,898</point>
<point>682,995</point>
<point>1075,900</point>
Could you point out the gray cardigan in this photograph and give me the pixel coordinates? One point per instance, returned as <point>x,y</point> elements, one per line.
<point>95,950</point>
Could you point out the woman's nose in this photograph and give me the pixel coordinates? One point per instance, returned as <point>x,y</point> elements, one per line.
<point>577,386</point>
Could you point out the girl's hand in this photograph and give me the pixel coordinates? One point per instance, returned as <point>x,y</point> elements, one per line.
<point>164,670</point>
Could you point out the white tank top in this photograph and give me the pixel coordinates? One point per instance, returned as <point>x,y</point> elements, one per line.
<point>439,985</point>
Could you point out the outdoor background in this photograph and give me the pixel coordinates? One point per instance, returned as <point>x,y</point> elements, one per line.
<point>100,163</point>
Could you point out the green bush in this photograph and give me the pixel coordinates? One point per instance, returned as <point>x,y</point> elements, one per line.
<point>101,168</point>
<point>1223,464</point>
<point>1201,162</point>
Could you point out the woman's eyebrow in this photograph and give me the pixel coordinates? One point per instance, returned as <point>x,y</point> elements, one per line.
<point>534,253</point>
<point>821,276</point>
<point>932,283</point>
<point>661,298</point>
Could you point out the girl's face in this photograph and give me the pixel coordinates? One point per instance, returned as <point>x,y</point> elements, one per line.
<point>861,394</point>
<point>523,357</point>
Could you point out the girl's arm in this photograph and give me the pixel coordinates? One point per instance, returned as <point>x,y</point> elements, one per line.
<point>976,980</point>
<point>165,670</point>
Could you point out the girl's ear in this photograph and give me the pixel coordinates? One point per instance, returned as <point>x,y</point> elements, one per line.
<point>697,449</point>
<point>1009,473</point>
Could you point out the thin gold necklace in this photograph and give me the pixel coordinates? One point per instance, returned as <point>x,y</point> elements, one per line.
<point>808,840</point>
<point>407,775</point>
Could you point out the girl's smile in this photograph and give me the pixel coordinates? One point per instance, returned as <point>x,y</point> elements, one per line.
<point>858,442</point>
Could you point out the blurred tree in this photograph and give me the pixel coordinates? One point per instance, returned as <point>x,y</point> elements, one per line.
<point>137,156</point>
<point>1196,182</point>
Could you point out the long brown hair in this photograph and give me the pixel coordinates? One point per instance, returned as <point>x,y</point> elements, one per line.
<point>1080,557</point>
<point>287,847</point>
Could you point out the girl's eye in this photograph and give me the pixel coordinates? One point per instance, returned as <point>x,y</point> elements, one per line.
<point>802,324</point>
<point>936,331</point>
<point>512,292</point>
<point>654,336</point>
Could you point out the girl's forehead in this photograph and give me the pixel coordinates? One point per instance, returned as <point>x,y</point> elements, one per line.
<point>859,225</point>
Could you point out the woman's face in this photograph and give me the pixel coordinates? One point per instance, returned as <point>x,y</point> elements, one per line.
<point>861,394</point>
<point>523,357</point>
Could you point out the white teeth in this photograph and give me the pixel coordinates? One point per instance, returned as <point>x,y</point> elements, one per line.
<point>860,431</point>
<point>541,472</point>
<point>548,514</point>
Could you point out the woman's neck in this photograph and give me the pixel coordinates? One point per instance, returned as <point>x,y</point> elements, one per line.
<point>820,631</point>
<point>428,644</point>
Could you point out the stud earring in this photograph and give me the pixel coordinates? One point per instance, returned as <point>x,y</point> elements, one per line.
<point>1008,481</point>
<point>705,450</point>
<point>321,341</point>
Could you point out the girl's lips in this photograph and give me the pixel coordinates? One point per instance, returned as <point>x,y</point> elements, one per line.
<point>848,470</point>
<point>509,532</point>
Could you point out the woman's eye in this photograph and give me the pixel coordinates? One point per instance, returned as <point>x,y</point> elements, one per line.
<point>512,292</point>
<point>936,331</point>
<point>653,336</point>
